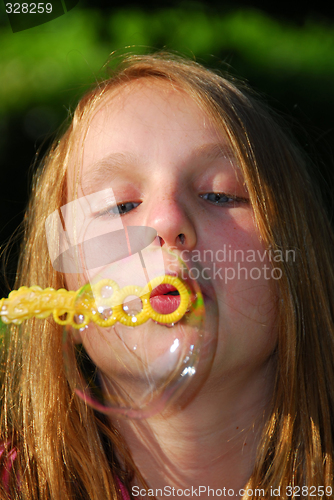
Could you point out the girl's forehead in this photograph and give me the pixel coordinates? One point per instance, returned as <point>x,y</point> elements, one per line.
<point>145,111</point>
<point>143,117</point>
<point>147,98</point>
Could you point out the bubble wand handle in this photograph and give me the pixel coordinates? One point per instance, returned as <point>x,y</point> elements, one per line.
<point>78,308</point>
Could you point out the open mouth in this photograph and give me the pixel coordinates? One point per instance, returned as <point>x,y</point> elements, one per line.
<point>165,299</point>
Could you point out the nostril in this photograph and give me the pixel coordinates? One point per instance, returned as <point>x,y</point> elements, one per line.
<point>182,238</point>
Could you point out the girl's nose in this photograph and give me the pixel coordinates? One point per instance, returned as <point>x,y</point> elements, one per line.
<point>172,222</point>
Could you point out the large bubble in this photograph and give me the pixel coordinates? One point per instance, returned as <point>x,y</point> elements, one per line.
<point>140,339</point>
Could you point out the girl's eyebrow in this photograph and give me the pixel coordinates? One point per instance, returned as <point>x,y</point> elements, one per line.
<point>115,164</point>
<point>109,167</point>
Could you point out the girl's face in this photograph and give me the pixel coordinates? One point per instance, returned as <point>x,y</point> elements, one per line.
<point>171,169</point>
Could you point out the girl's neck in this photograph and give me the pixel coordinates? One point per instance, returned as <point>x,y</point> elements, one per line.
<point>211,442</point>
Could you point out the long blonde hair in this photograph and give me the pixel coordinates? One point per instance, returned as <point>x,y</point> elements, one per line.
<point>66,449</point>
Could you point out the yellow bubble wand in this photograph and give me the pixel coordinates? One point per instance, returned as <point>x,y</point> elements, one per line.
<point>78,308</point>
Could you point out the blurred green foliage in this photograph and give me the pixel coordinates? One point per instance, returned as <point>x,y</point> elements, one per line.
<point>37,64</point>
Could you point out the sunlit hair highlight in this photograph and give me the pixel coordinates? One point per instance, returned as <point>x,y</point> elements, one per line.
<point>65,449</point>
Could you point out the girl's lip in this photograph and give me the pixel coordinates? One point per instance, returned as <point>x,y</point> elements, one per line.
<point>162,303</point>
<point>165,304</point>
<point>205,288</point>
<point>162,290</point>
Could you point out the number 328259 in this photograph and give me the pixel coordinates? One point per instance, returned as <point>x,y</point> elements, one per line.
<point>28,8</point>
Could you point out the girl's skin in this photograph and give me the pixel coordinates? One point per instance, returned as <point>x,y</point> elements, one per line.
<point>164,159</point>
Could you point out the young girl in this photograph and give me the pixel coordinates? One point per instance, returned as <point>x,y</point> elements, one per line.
<point>197,158</point>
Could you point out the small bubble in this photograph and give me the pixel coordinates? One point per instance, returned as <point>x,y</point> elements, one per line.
<point>79,318</point>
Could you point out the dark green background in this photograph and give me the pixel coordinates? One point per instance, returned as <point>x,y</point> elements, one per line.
<point>287,55</point>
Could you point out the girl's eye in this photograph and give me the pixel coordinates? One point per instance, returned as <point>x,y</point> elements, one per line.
<point>121,209</point>
<point>124,208</point>
<point>222,198</point>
